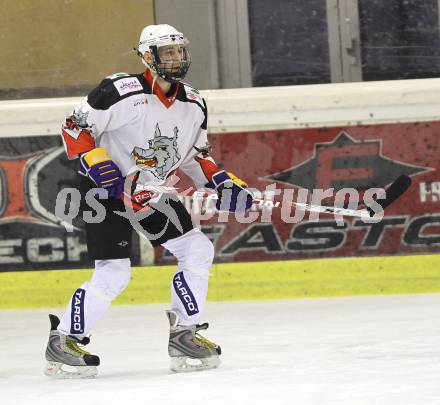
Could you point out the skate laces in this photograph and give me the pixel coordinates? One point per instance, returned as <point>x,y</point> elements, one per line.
<point>201,340</point>
<point>72,344</point>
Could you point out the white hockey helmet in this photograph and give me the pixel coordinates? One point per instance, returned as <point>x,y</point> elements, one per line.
<point>155,36</point>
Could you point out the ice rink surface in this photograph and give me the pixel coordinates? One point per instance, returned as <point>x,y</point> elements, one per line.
<point>356,350</point>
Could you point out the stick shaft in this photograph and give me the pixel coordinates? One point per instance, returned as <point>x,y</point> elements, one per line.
<point>363,213</point>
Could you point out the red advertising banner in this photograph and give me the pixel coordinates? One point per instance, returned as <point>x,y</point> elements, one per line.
<point>352,157</point>
<point>34,169</point>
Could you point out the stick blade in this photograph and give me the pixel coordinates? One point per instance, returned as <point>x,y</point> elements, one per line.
<point>393,192</point>
<point>396,189</point>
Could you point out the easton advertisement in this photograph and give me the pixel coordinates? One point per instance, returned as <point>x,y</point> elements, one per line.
<point>280,164</point>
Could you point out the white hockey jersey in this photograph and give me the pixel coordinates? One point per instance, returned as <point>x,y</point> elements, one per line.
<point>143,129</point>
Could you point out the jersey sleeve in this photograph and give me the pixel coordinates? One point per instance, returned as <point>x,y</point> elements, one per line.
<point>94,115</point>
<point>199,165</point>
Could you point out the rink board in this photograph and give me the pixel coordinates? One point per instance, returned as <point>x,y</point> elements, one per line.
<point>286,138</point>
<point>241,281</point>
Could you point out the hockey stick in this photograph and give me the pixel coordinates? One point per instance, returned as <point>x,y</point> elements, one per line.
<point>392,193</point>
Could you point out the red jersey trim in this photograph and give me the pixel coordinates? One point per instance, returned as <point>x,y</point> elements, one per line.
<point>166,101</point>
<point>74,147</point>
<point>209,168</point>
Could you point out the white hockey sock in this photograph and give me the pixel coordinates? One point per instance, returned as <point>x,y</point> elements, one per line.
<point>85,308</point>
<point>91,301</point>
<point>189,287</point>
<point>188,296</point>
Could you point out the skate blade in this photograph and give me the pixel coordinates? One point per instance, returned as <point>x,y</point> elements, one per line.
<point>62,371</point>
<point>183,364</point>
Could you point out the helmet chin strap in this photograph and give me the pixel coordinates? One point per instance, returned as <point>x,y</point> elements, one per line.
<point>146,63</point>
<point>155,76</point>
<point>153,69</point>
<point>150,68</point>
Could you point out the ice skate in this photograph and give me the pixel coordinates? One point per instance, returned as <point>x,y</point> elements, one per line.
<point>189,351</point>
<point>64,358</point>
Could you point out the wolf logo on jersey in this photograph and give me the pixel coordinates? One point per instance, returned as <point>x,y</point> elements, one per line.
<point>161,155</point>
<point>75,123</point>
<point>80,118</point>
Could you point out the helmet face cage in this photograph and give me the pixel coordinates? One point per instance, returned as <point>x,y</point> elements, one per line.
<point>169,67</point>
<point>172,71</point>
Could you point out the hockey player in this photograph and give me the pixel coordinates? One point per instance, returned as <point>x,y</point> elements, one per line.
<point>149,124</point>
